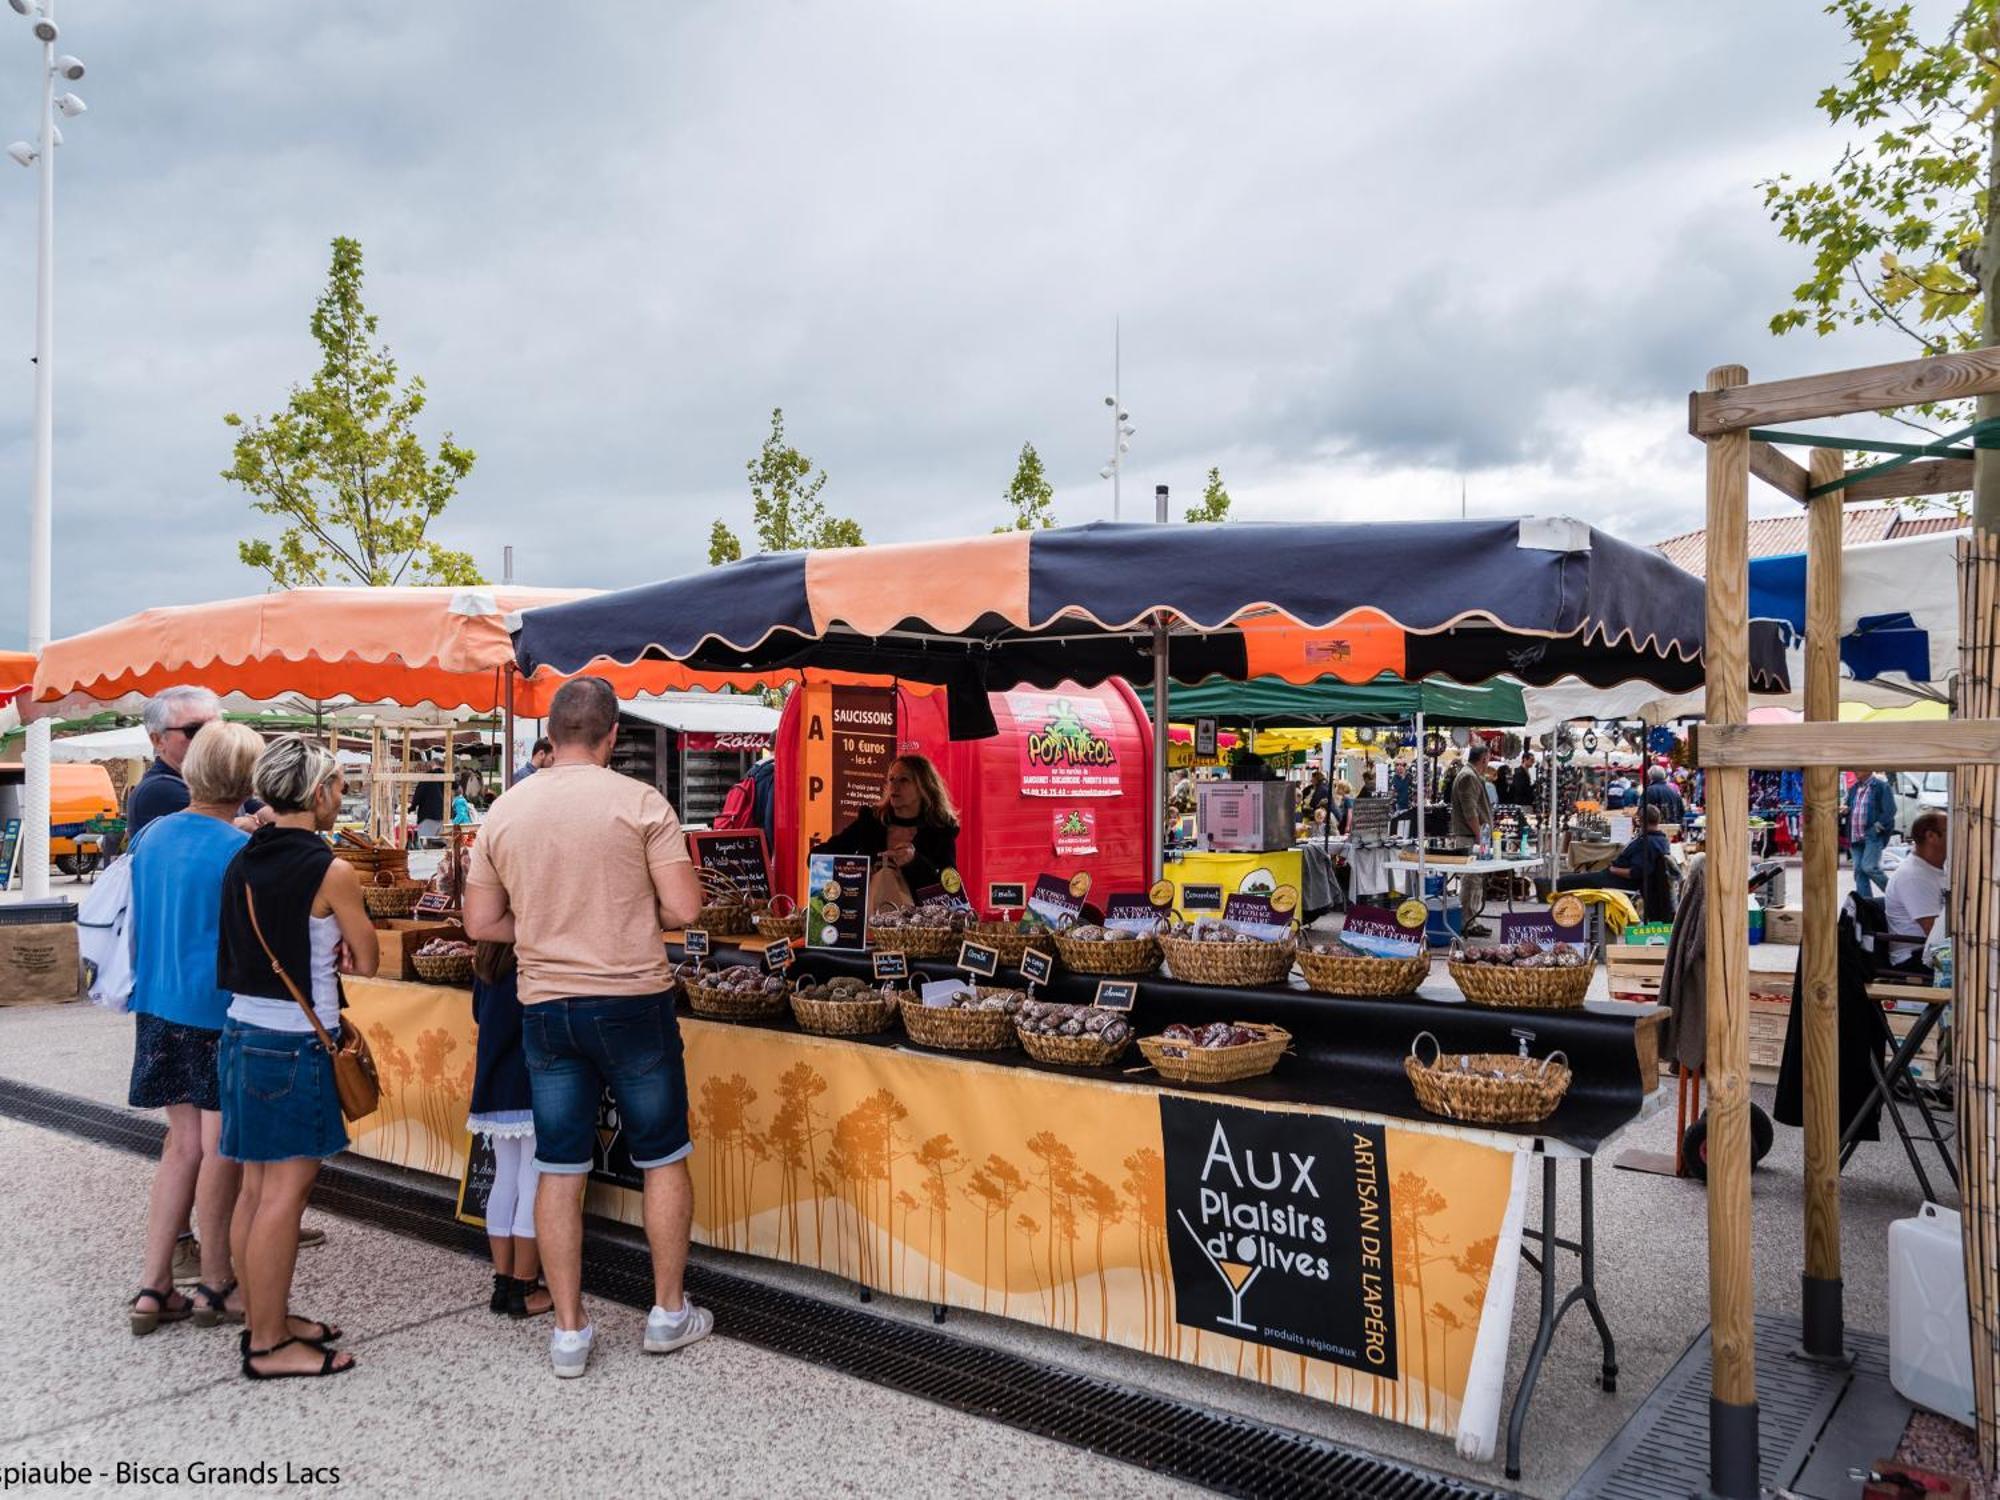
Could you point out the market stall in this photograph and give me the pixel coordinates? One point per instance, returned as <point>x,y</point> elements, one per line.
<point>1535,600</point>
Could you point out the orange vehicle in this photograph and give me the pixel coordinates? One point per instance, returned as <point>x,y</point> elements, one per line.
<point>83,814</point>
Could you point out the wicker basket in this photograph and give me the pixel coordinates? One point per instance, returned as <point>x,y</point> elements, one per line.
<point>725,919</point>
<point>956,1030</point>
<point>845,1017</point>
<point>781,926</point>
<point>1238,965</point>
<point>385,901</point>
<point>1071,1051</point>
<point>443,968</point>
<point>1006,938</point>
<point>1357,974</point>
<point>733,1005</point>
<point>1506,1090</point>
<point>372,860</point>
<point>1115,957</point>
<point>1522,989</point>
<point>917,942</point>
<point>1217,1064</point>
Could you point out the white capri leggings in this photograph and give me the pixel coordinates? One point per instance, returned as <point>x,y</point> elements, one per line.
<point>510,1210</point>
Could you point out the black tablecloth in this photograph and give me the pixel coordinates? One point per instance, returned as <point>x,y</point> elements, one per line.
<point>1348,1053</point>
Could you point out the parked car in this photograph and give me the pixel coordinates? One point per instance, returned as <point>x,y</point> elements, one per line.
<point>1918,792</point>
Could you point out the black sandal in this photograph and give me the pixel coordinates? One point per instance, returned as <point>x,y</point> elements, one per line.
<point>327,1362</point>
<point>518,1293</point>
<point>327,1334</point>
<point>212,1305</point>
<point>164,1310</point>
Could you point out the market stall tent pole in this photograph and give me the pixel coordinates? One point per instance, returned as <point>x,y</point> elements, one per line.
<point>1732,1406</point>
<point>1423,794</point>
<point>1820,1312</point>
<point>1552,773</point>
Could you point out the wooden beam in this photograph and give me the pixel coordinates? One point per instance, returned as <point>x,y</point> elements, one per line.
<point>1945,377</point>
<point>1940,745</point>
<point>1820,1312</point>
<point>1732,1460</point>
<point>1932,476</point>
<point>1778,471</point>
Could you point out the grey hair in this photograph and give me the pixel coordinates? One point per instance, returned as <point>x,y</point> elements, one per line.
<point>291,772</point>
<point>160,709</point>
<point>1657,773</point>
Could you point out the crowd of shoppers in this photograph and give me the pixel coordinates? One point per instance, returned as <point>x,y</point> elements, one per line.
<point>242,928</point>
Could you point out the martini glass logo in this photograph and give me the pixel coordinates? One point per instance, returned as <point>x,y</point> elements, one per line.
<point>1236,1274</point>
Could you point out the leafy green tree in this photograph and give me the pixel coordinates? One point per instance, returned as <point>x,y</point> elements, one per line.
<point>785,509</point>
<point>1214,507</point>
<point>1031,497</point>
<point>1903,228</point>
<point>342,466</point>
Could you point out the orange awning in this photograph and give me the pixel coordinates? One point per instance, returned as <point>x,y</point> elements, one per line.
<point>444,647</point>
<point>17,673</point>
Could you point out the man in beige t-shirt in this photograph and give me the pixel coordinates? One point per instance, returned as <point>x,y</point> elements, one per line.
<point>580,867</point>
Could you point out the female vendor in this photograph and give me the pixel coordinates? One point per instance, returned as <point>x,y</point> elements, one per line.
<point>912,834</point>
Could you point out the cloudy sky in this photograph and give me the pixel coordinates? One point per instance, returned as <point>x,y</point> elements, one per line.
<point>1361,256</point>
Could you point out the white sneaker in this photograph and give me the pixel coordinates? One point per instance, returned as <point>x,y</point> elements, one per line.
<point>569,1351</point>
<point>666,1332</point>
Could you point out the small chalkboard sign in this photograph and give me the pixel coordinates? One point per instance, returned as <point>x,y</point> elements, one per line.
<point>694,942</point>
<point>982,959</point>
<point>1201,897</point>
<point>1037,966</point>
<point>1116,994</point>
<point>738,855</point>
<point>475,1183</point>
<point>1010,895</point>
<point>891,965</point>
<point>778,957</point>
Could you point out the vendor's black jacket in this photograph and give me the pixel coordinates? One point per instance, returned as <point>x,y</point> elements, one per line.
<point>936,848</point>
<point>1640,857</point>
<point>1667,798</point>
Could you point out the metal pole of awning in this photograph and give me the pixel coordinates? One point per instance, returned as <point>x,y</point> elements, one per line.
<point>1554,775</point>
<point>1422,806</point>
<point>1160,716</point>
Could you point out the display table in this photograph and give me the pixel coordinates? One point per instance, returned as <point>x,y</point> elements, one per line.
<point>1311,1229</point>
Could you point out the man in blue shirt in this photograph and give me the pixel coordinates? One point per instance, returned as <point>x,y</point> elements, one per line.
<point>1871,813</point>
<point>1637,860</point>
<point>172,721</point>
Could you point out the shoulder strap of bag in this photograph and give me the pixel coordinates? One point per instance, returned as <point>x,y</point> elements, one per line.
<point>250,902</point>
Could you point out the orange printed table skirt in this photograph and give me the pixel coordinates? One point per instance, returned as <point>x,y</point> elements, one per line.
<point>1362,1261</point>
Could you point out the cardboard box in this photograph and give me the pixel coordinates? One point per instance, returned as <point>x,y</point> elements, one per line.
<point>1784,924</point>
<point>401,937</point>
<point>38,953</point>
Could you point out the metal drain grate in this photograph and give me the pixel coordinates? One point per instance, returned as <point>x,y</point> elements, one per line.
<point>1223,1452</point>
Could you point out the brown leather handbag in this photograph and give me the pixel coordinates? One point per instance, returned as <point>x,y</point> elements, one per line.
<point>354,1076</point>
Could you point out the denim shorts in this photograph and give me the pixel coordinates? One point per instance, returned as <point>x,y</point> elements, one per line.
<point>278,1098</point>
<point>576,1049</point>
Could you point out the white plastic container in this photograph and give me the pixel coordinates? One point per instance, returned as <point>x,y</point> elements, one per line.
<point>1930,1340</point>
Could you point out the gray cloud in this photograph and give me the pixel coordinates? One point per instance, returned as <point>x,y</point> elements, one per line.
<point>612,237</point>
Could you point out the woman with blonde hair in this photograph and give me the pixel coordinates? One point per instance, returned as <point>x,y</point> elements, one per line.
<point>292,923</point>
<point>177,1011</point>
<point>911,834</point>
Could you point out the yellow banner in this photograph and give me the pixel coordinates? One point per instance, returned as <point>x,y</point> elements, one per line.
<point>1358,1261</point>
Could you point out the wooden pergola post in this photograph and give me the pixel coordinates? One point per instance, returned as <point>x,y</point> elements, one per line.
<point>1732,1402</point>
<point>1820,1313</point>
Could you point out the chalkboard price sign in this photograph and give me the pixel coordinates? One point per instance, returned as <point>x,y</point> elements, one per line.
<point>892,965</point>
<point>979,958</point>
<point>475,1186</point>
<point>1037,966</point>
<point>1011,896</point>
<point>1201,897</point>
<point>1116,994</point>
<point>694,942</point>
<point>738,855</point>
<point>778,957</point>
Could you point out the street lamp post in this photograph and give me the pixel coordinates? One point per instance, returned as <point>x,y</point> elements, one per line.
<point>42,156</point>
<point>1121,429</point>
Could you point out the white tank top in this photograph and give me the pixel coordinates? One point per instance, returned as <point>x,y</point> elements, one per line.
<point>285,1015</point>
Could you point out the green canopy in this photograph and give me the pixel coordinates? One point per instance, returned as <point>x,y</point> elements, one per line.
<point>1386,700</point>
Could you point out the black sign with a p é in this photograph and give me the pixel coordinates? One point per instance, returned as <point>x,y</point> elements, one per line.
<point>1278,1230</point>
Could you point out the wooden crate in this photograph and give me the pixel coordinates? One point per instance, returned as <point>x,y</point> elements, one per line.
<point>401,937</point>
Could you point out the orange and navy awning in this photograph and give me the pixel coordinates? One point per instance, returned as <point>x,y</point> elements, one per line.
<point>17,674</point>
<point>1534,599</point>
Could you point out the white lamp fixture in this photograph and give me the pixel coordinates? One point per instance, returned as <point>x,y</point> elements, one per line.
<point>70,67</point>
<point>23,153</point>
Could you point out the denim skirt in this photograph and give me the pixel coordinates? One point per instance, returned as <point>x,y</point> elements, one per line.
<point>278,1098</point>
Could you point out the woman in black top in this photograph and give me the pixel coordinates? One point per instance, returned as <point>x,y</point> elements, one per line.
<point>912,833</point>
